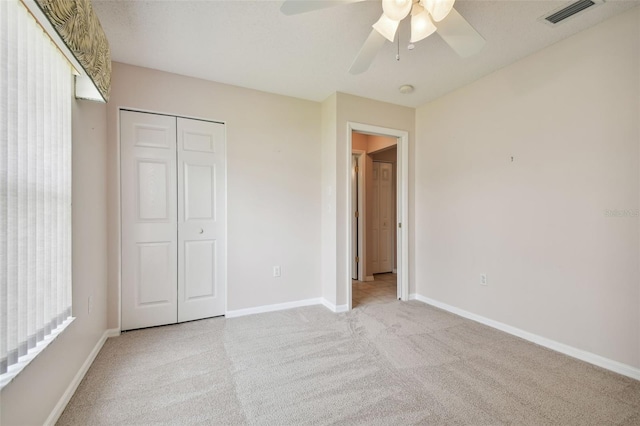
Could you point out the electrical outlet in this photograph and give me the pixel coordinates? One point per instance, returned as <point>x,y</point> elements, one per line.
<point>89,305</point>
<point>483,279</point>
<point>276,271</point>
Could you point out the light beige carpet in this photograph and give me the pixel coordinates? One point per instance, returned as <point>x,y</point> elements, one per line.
<point>383,364</point>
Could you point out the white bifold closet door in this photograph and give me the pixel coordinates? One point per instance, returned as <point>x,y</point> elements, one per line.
<point>173,219</point>
<point>201,221</point>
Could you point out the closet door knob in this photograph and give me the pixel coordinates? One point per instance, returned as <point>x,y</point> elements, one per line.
<point>201,231</point>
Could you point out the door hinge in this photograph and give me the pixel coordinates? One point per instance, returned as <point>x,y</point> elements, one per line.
<point>399,225</point>
<point>357,169</point>
<point>357,214</point>
<point>357,259</point>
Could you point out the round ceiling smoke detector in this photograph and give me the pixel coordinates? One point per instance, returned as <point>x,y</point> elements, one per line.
<point>405,89</point>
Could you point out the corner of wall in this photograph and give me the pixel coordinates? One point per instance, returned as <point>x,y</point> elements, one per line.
<point>328,196</point>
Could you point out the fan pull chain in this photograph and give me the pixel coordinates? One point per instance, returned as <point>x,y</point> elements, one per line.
<point>398,51</point>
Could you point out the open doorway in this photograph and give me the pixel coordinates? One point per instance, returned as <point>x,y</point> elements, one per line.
<point>374,268</point>
<point>377,206</point>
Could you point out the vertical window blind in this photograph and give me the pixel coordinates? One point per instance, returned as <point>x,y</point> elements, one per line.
<point>36,88</point>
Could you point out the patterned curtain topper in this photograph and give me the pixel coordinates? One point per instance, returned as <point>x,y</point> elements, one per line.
<point>77,24</point>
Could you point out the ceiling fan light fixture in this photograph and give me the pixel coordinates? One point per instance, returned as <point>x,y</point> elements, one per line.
<point>386,27</point>
<point>396,10</point>
<point>439,9</point>
<point>421,26</point>
<point>417,8</point>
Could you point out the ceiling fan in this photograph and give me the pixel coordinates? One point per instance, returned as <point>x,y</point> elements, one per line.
<point>427,17</point>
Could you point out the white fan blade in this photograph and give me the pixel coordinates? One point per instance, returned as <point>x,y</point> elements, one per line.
<point>460,35</point>
<point>367,53</point>
<point>295,7</point>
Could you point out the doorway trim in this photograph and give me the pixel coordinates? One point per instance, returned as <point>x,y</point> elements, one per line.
<point>402,205</point>
<point>359,154</point>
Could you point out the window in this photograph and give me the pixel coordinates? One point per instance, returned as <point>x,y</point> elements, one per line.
<point>36,88</point>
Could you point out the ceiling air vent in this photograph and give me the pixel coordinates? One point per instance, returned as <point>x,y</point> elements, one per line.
<point>558,16</point>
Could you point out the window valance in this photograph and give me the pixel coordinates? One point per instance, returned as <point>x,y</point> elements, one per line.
<point>79,28</point>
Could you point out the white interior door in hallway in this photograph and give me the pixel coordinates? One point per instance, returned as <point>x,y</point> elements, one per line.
<point>173,185</point>
<point>383,226</point>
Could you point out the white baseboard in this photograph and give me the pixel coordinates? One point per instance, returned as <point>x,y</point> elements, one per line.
<point>272,308</point>
<point>600,361</point>
<point>113,332</point>
<point>71,389</point>
<point>335,308</point>
<point>289,305</point>
<point>394,271</point>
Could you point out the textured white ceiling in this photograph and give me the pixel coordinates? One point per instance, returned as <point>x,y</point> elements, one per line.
<point>251,44</point>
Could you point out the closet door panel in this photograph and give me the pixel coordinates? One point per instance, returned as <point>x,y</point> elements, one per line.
<point>149,219</point>
<point>201,219</point>
<point>153,281</point>
<point>200,270</point>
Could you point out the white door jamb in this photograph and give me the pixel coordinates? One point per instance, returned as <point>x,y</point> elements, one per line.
<point>361,216</point>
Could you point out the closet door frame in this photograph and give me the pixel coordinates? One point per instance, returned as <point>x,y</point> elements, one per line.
<point>117,245</point>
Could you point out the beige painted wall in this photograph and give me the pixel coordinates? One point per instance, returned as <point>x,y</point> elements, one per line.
<point>377,143</point>
<point>359,141</point>
<point>557,264</point>
<point>388,155</point>
<point>365,111</point>
<point>328,188</point>
<point>31,397</point>
<point>273,180</point>
<point>371,143</point>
